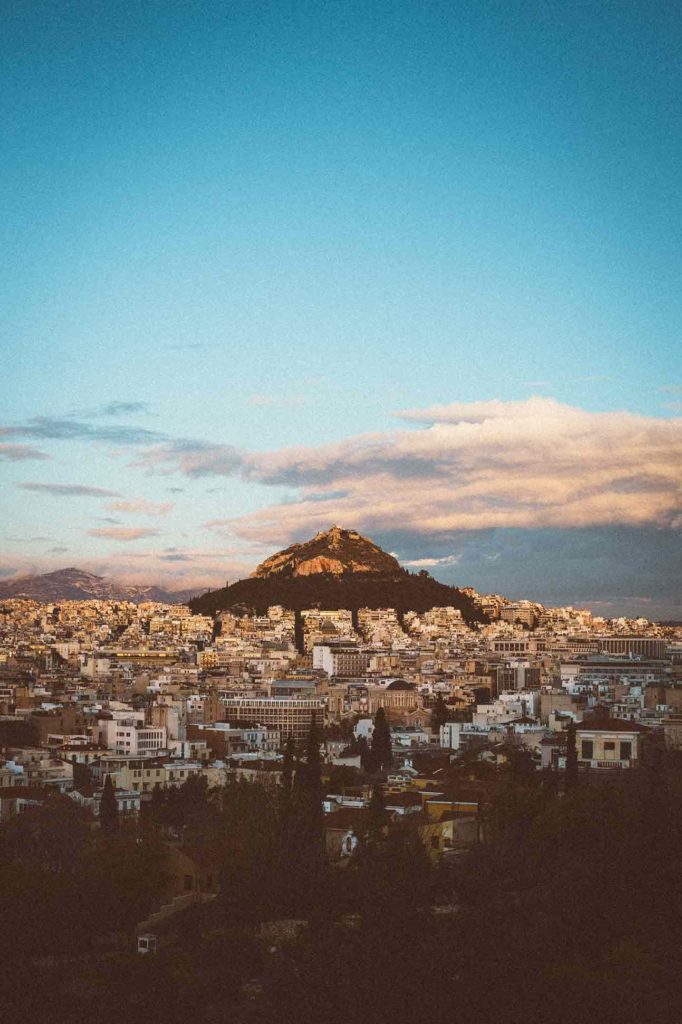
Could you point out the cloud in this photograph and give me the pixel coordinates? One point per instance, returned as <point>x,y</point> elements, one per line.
<point>191,567</point>
<point>69,490</point>
<point>431,563</point>
<point>471,466</point>
<point>41,538</point>
<point>54,428</point>
<point>20,452</point>
<point>142,507</point>
<point>110,410</point>
<point>192,458</point>
<point>122,533</point>
<point>124,408</point>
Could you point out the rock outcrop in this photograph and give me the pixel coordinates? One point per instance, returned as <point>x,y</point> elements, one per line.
<point>334,551</point>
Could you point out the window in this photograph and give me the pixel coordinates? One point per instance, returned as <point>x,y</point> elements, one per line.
<point>587,750</point>
<point>609,746</point>
<point>625,751</point>
<point>188,883</point>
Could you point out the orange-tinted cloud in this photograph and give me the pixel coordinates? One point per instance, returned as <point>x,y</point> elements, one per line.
<point>473,466</point>
<point>141,506</point>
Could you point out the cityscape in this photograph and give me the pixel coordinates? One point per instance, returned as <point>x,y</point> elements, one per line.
<point>340,519</point>
<point>356,737</point>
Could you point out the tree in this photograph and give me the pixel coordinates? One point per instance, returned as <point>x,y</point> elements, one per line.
<point>363,749</point>
<point>381,742</point>
<point>108,809</point>
<point>377,817</point>
<point>308,793</point>
<point>154,811</point>
<point>440,714</point>
<point>287,777</point>
<point>571,777</point>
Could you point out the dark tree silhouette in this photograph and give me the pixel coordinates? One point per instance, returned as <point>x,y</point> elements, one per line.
<point>108,809</point>
<point>571,778</point>
<point>440,714</point>
<point>381,742</point>
<point>307,793</point>
<point>287,777</point>
<point>377,817</point>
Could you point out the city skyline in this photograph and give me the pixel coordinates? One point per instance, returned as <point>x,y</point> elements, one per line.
<point>416,274</point>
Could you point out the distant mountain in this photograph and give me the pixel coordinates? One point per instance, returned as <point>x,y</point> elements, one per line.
<point>336,569</point>
<point>77,585</point>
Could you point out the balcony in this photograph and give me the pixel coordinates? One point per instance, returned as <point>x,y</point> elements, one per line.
<point>604,764</point>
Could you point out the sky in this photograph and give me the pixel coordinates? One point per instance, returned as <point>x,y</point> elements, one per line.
<point>413,268</point>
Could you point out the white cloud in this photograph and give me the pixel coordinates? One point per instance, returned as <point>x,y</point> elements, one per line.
<point>471,466</point>
<point>430,563</point>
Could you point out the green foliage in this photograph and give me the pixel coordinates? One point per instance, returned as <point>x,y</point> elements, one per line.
<point>65,884</point>
<point>382,754</point>
<point>108,809</point>
<point>188,812</point>
<point>358,746</point>
<point>305,828</point>
<point>440,714</point>
<point>403,591</point>
<point>571,775</point>
<point>569,912</point>
<point>377,817</point>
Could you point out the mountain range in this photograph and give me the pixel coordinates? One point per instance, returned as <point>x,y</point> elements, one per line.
<point>76,585</point>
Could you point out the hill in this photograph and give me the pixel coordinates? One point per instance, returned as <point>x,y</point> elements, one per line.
<point>336,569</point>
<point>335,552</point>
<point>76,585</point>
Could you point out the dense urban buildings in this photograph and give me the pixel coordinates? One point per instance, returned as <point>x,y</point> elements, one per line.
<point>258,765</point>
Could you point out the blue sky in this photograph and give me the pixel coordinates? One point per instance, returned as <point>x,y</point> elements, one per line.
<point>260,226</point>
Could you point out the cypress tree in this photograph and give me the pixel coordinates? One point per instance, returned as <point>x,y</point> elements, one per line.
<point>313,787</point>
<point>366,759</point>
<point>571,777</point>
<point>287,777</point>
<point>377,815</point>
<point>108,809</point>
<point>303,833</point>
<point>381,742</point>
<point>306,796</point>
<point>439,714</point>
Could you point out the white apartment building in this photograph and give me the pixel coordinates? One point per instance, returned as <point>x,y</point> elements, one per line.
<point>340,661</point>
<point>127,736</point>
